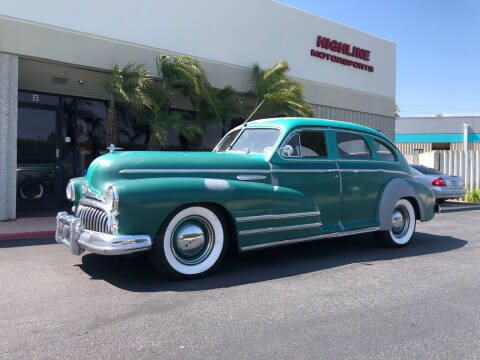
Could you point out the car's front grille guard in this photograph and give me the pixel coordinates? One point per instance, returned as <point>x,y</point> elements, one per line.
<point>94,217</point>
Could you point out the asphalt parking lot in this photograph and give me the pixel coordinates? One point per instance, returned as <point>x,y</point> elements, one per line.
<point>347,298</point>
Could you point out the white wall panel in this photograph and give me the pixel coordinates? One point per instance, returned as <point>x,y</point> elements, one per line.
<point>226,31</point>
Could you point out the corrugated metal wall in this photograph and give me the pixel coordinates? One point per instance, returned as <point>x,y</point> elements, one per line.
<point>460,163</point>
<point>384,124</point>
<point>458,146</point>
<point>409,148</point>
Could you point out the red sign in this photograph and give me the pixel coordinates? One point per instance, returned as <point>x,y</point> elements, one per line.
<point>342,48</point>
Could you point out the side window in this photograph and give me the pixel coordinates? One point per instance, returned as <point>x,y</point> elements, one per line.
<point>306,144</point>
<point>383,152</point>
<point>352,146</point>
<point>313,144</point>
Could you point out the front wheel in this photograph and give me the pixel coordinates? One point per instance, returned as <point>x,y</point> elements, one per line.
<point>191,243</point>
<point>403,225</point>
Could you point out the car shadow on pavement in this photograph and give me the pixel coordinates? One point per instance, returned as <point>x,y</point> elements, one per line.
<point>136,274</point>
<point>26,242</point>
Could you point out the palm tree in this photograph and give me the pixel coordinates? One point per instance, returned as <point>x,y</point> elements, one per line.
<point>184,75</point>
<point>281,95</point>
<point>126,86</point>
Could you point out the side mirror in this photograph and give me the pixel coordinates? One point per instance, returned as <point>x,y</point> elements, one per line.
<point>287,151</point>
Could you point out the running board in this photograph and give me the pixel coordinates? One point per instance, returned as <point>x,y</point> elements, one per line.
<point>310,238</point>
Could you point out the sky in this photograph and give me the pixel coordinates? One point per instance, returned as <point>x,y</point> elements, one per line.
<point>438,48</point>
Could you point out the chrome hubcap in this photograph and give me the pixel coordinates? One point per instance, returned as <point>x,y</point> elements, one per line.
<point>400,221</point>
<point>192,240</point>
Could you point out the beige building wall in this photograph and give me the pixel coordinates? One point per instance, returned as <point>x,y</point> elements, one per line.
<point>409,148</point>
<point>458,146</point>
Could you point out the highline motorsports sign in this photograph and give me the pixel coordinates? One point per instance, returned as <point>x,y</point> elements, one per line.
<point>342,48</point>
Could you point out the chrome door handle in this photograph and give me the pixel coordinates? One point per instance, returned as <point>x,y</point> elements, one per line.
<point>250,177</point>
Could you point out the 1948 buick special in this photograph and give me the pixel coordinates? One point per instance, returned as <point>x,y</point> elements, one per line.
<point>268,182</point>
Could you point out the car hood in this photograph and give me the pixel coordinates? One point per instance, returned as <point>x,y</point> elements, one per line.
<point>108,169</point>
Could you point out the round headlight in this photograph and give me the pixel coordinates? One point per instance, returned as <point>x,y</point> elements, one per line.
<point>111,199</point>
<point>70,190</point>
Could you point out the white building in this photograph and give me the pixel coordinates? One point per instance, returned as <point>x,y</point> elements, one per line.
<point>55,54</point>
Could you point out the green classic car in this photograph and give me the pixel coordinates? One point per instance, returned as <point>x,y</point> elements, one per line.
<point>268,182</point>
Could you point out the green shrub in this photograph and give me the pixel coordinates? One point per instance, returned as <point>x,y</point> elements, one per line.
<point>472,196</point>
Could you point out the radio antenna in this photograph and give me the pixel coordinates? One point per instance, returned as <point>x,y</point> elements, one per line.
<point>253,112</point>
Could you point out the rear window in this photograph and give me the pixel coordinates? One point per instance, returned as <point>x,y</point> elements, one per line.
<point>383,152</point>
<point>352,146</point>
<point>426,170</point>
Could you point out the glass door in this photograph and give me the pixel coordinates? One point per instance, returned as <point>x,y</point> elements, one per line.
<point>37,158</point>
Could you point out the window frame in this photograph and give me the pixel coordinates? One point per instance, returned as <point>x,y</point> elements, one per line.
<point>296,131</point>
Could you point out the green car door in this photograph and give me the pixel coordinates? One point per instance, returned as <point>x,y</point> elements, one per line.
<point>304,165</point>
<point>362,180</point>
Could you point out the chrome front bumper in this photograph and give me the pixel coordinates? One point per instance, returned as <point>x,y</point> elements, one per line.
<point>70,232</point>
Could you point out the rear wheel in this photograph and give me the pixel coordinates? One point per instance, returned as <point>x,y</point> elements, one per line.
<point>191,243</point>
<point>403,225</point>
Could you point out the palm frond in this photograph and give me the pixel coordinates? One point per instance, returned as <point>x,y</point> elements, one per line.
<point>281,93</point>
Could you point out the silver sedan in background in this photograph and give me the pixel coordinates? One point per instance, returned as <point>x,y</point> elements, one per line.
<point>444,186</point>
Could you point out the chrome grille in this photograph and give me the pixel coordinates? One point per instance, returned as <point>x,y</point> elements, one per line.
<point>94,219</point>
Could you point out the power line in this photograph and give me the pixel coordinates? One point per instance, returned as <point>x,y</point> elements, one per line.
<point>440,106</point>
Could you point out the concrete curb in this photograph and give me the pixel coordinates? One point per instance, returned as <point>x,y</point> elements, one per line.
<point>28,235</point>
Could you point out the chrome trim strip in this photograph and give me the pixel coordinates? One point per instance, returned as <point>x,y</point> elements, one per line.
<point>395,172</point>
<point>277,216</point>
<point>311,238</point>
<point>339,170</point>
<point>256,231</point>
<point>250,177</point>
<point>304,170</point>
<point>361,170</point>
<point>261,171</point>
<point>186,171</point>
<point>280,228</point>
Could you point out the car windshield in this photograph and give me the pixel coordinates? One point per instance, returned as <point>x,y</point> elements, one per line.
<point>250,141</point>
<point>426,170</point>
<point>227,141</point>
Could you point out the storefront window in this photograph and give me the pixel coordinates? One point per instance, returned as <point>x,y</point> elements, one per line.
<point>90,132</point>
<point>131,136</point>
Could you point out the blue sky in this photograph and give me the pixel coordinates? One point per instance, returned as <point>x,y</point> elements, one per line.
<point>438,48</point>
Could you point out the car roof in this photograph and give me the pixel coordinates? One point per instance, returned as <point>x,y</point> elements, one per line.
<point>288,123</point>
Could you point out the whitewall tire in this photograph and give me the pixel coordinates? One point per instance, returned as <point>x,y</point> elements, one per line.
<point>191,243</point>
<point>403,225</point>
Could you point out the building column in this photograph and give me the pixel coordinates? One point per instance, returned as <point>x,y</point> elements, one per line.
<point>8,135</point>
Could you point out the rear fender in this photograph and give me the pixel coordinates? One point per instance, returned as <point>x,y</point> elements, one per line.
<point>399,188</point>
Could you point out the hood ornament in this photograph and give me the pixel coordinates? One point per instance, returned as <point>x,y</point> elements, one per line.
<point>112,148</point>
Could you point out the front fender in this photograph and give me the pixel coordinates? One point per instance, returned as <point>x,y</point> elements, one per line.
<point>78,183</point>
<point>145,203</point>
<point>399,188</point>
